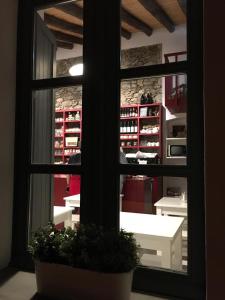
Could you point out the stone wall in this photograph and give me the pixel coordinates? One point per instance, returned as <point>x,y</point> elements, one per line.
<point>63,65</point>
<point>141,56</point>
<point>131,90</point>
<point>68,97</point>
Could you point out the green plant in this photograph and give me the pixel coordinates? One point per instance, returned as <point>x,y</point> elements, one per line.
<point>88,247</point>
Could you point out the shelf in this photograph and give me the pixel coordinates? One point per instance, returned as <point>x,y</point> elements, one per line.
<point>129,147</point>
<point>149,146</point>
<point>147,134</point>
<point>58,136</point>
<point>128,118</point>
<point>128,139</point>
<point>129,106</point>
<point>72,121</point>
<point>176,139</point>
<point>172,157</point>
<point>72,132</point>
<point>71,147</point>
<point>72,110</point>
<point>57,155</point>
<point>127,133</point>
<point>149,105</point>
<point>58,122</point>
<point>149,117</point>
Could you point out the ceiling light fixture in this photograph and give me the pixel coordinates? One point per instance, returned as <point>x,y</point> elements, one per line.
<point>76,70</point>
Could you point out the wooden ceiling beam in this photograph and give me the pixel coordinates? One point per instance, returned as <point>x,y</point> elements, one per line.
<point>73,27</point>
<point>135,22</point>
<point>183,5</point>
<point>72,9</point>
<point>153,7</point>
<point>77,12</point>
<point>126,34</point>
<point>64,45</point>
<point>63,25</point>
<point>60,36</point>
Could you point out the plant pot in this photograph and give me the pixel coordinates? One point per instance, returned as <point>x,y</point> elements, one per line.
<point>61,282</point>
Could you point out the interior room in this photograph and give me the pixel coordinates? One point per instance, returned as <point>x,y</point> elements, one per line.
<point>211,54</point>
<point>153,124</point>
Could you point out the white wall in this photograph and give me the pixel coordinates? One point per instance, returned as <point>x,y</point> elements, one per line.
<point>77,51</point>
<point>8,20</point>
<point>171,42</point>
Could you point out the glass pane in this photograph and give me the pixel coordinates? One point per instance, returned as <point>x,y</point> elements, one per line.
<point>153,126</point>
<point>57,125</point>
<point>58,41</point>
<point>151,31</point>
<point>55,198</point>
<point>155,209</point>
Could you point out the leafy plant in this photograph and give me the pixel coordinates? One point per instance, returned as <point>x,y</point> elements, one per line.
<point>87,247</point>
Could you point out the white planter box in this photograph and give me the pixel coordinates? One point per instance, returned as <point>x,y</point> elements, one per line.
<point>61,282</point>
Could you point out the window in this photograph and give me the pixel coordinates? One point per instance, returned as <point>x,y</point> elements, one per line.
<point>43,159</point>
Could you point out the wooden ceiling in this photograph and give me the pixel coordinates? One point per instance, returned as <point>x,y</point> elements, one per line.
<point>66,20</point>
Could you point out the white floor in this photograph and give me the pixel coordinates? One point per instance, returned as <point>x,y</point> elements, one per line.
<point>22,286</point>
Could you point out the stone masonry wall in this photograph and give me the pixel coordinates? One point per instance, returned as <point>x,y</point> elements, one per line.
<point>68,97</point>
<point>141,56</point>
<point>131,90</point>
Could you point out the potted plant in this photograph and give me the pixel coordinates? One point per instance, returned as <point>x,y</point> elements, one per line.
<point>86,263</point>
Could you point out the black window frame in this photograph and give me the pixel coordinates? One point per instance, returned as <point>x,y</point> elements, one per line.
<point>102,107</point>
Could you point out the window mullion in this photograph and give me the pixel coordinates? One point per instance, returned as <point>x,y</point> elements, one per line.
<point>100,112</point>
<point>154,70</point>
<point>41,84</point>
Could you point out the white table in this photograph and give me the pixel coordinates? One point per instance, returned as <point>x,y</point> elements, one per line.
<point>160,233</point>
<point>63,214</point>
<point>152,232</point>
<point>174,206</point>
<point>73,200</point>
<point>171,206</point>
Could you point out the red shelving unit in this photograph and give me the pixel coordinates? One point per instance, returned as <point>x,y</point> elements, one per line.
<point>68,133</point>
<point>141,194</point>
<point>144,125</point>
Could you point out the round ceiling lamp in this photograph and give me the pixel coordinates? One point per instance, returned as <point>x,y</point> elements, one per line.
<point>76,70</point>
